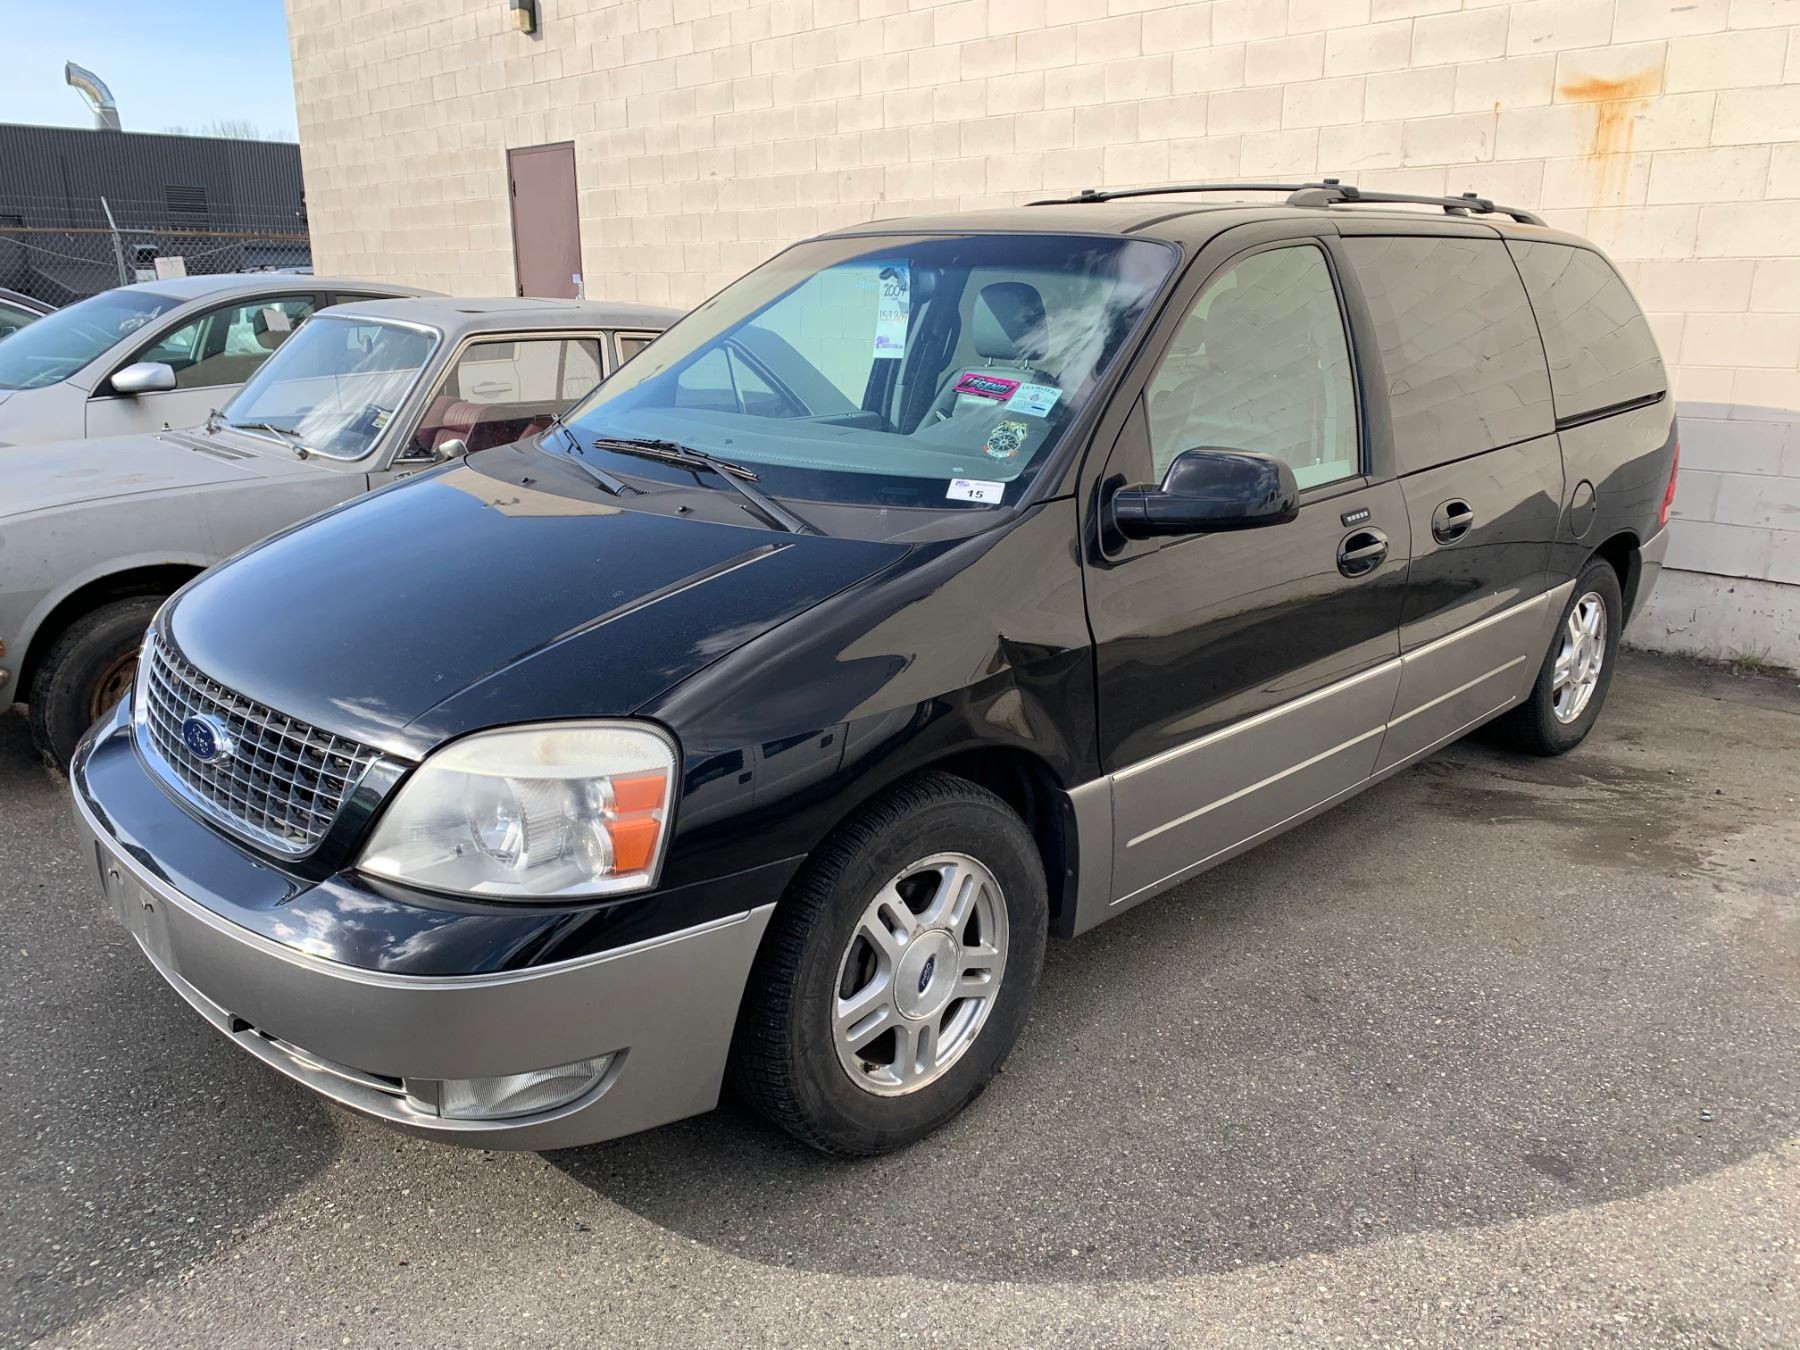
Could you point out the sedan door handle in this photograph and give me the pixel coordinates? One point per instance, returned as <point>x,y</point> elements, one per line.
<point>1361,552</point>
<point>1452,521</point>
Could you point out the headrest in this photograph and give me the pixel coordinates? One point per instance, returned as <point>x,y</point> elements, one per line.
<point>271,326</point>
<point>1009,322</point>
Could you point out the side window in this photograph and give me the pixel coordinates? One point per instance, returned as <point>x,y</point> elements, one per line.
<point>630,344</point>
<point>13,319</point>
<point>1465,368</point>
<point>225,346</point>
<point>500,392</point>
<point>723,381</point>
<point>1261,363</point>
<point>1599,343</point>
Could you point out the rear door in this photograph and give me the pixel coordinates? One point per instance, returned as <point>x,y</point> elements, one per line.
<point>1244,678</point>
<point>1474,439</point>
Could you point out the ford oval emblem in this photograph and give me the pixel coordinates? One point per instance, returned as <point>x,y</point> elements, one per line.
<point>205,738</point>
<point>926,973</point>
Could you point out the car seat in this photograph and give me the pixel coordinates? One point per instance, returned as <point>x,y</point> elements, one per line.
<point>1011,332</point>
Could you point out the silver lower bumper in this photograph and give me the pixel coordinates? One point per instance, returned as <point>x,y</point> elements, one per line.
<point>378,1042</point>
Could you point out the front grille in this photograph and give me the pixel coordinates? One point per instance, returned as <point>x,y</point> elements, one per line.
<point>280,781</point>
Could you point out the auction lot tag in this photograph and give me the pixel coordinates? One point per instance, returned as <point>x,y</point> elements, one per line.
<point>1034,400</point>
<point>975,490</point>
<point>996,387</point>
<point>892,311</point>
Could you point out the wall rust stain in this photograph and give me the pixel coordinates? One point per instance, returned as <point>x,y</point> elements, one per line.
<point>1617,103</point>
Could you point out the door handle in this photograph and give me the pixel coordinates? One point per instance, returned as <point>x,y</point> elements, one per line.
<point>1452,521</point>
<point>1361,552</point>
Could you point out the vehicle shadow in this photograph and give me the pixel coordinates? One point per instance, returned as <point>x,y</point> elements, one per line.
<point>1430,1008</point>
<point>129,1145</point>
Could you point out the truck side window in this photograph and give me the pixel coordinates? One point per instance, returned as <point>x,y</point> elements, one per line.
<point>1600,346</point>
<point>1261,364</point>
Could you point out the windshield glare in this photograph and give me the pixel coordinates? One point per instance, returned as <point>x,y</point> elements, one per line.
<point>61,343</point>
<point>899,371</point>
<point>335,384</point>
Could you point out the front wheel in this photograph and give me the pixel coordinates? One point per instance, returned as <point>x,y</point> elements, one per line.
<point>87,669</point>
<point>897,972</point>
<point>1571,685</point>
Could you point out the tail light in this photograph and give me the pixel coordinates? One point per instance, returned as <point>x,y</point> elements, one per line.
<point>1669,496</point>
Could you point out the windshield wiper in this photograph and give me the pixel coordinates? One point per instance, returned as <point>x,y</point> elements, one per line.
<point>281,434</point>
<point>686,457</point>
<point>617,486</point>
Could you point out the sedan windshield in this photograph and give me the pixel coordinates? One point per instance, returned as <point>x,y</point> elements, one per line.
<point>334,386</point>
<point>59,344</point>
<point>920,371</point>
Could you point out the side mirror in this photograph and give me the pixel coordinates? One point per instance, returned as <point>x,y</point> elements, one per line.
<point>1207,490</point>
<point>454,448</point>
<point>146,377</point>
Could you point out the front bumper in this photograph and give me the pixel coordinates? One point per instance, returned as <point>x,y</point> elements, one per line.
<point>380,1042</point>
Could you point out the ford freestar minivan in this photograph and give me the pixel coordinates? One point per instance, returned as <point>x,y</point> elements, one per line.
<point>938,586</point>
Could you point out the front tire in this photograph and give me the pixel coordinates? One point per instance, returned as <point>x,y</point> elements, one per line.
<point>897,972</point>
<point>1572,683</point>
<point>87,669</point>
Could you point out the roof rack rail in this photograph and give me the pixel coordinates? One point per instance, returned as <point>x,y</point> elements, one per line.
<point>1331,192</point>
<point>1328,192</point>
<point>1098,195</point>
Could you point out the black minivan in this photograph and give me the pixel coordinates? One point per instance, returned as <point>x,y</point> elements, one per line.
<point>940,585</point>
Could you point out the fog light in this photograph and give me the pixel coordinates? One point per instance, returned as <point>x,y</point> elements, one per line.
<point>519,1094</point>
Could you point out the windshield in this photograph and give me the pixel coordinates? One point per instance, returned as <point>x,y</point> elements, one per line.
<point>899,371</point>
<point>59,344</point>
<point>334,386</point>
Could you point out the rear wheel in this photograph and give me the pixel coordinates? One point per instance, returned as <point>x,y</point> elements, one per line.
<point>87,669</point>
<point>897,972</point>
<point>1571,685</point>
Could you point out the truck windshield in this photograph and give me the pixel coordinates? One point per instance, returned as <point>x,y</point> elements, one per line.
<point>922,371</point>
<point>59,344</point>
<point>334,386</point>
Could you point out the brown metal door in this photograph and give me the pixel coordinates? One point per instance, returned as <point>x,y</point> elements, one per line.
<point>545,219</point>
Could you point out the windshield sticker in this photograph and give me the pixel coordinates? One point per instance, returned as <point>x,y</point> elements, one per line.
<point>996,387</point>
<point>1034,400</point>
<point>975,490</point>
<point>892,310</point>
<point>1005,440</point>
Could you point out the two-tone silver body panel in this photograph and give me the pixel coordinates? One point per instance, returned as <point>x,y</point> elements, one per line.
<point>1161,820</point>
<point>380,1043</point>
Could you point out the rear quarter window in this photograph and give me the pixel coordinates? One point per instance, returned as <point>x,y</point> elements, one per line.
<point>1459,346</point>
<point>1600,347</point>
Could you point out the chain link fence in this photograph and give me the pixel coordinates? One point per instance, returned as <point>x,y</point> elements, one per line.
<point>64,249</point>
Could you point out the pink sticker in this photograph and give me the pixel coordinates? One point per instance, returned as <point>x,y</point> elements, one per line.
<point>995,387</point>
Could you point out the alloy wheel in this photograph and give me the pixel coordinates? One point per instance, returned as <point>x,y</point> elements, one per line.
<point>1579,657</point>
<point>920,975</point>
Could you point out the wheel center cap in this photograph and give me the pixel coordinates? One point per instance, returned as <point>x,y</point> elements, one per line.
<point>926,976</point>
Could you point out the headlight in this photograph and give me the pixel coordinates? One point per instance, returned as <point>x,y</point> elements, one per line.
<point>551,812</point>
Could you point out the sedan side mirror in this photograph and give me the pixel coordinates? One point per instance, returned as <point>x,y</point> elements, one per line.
<point>145,377</point>
<point>1207,490</point>
<point>454,448</point>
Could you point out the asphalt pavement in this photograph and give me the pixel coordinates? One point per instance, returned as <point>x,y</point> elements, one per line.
<point>1503,1051</point>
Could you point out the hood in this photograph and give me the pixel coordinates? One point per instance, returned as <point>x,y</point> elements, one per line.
<point>67,473</point>
<point>504,589</point>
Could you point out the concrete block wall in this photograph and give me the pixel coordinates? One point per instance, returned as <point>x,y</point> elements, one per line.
<point>709,133</point>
